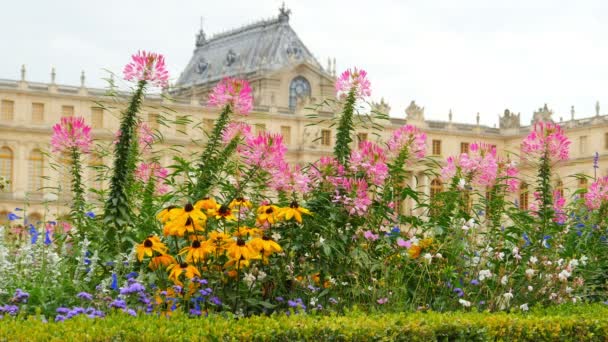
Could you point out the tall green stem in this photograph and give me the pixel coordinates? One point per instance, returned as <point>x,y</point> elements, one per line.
<point>546,206</point>
<point>78,193</point>
<point>118,210</point>
<point>345,128</point>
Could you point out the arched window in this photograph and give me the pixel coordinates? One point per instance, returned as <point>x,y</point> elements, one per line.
<point>436,187</point>
<point>559,187</point>
<point>6,166</point>
<point>35,171</point>
<point>298,88</point>
<point>523,196</point>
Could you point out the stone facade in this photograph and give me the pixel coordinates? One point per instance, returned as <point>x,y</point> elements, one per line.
<point>286,79</point>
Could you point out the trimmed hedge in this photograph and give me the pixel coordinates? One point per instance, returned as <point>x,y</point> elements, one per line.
<point>567,323</point>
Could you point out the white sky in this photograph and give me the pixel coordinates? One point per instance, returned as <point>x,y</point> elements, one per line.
<point>470,56</point>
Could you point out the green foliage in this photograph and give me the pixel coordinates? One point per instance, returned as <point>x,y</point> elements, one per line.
<point>345,129</point>
<point>566,323</point>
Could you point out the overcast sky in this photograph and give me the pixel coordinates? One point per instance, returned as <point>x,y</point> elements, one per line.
<point>470,56</point>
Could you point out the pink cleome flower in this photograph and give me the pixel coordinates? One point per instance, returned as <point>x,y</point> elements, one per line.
<point>353,80</point>
<point>147,66</point>
<point>480,165</point>
<point>559,202</point>
<point>371,160</point>
<point>236,129</point>
<point>234,92</point>
<point>266,150</point>
<point>146,170</point>
<point>71,133</point>
<point>547,139</point>
<point>410,139</point>
<point>597,194</point>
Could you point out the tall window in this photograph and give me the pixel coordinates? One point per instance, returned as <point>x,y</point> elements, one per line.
<point>35,171</point>
<point>97,117</point>
<point>606,141</point>
<point>298,88</point>
<point>97,171</point>
<point>559,187</point>
<point>523,196</point>
<point>436,188</point>
<point>67,110</point>
<point>325,137</point>
<point>361,137</point>
<point>583,144</point>
<point>464,147</point>
<point>7,110</point>
<point>37,112</point>
<point>436,147</point>
<point>286,133</point>
<point>153,120</point>
<point>6,166</point>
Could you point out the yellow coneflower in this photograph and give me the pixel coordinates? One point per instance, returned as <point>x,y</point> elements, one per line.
<point>177,269</point>
<point>161,260</point>
<point>167,214</point>
<point>242,250</point>
<point>240,202</point>
<point>196,252</point>
<point>150,245</point>
<point>218,242</point>
<point>206,204</point>
<point>268,213</point>
<point>242,263</point>
<point>245,232</point>
<point>424,243</point>
<point>293,211</point>
<point>265,245</point>
<point>222,212</point>
<point>187,219</point>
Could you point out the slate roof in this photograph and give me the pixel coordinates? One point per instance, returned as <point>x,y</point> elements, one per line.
<point>266,45</point>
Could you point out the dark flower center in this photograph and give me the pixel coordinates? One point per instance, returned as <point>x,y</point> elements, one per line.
<point>266,238</point>
<point>294,205</point>
<point>183,265</point>
<point>189,221</point>
<point>269,210</point>
<point>240,242</point>
<point>224,210</point>
<point>240,199</point>
<point>148,243</point>
<point>196,244</point>
<point>171,207</point>
<point>189,207</point>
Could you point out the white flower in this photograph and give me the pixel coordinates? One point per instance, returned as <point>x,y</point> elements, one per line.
<point>461,183</point>
<point>261,275</point>
<point>560,262</point>
<point>524,307</point>
<point>483,274</point>
<point>584,260</point>
<point>464,303</point>
<point>573,263</point>
<point>568,289</point>
<point>533,260</point>
<point>563,275</point>
<point>414,240</point>
<point>475,260</point>
<point>249,278</point>
<point>428,257</point>
<point>438,256</point>
<point>500,255</point>
<point>515,250</point>
<point>530,288</point>
<point>508,295</point>
<point>321,240</point>
<point>313,301</point>
<point>504,280</point>
<point>276,236</point>
<point>552,296</point>
<point>530,272</point>
<point>465,228</point>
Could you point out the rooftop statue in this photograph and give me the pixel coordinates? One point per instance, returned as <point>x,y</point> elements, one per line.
<point>414,112</point>
<point>509,120</point>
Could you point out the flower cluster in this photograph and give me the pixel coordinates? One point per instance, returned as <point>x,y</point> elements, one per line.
<point>408,139</point>
<point>547,140</point>
<point>479,166</point>
<point>149,67</point>
<point>597,194</point>
<point>71,133</point>
<point>234,92</point>
<point>353,80</point>
<point>153,170</point>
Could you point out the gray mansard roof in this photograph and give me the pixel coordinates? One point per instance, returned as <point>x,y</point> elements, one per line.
<point>267,45</point>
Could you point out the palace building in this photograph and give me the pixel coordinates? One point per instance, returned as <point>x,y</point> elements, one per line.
<point>286,80</point>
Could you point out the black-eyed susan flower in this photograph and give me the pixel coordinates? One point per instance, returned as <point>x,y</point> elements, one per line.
<point>240,202</point>
<point>206,203</point>
<point>245,232</point>
<point>187,219</point>
<point>268,213</point>
<point>242,250</point>
<point>265,246</point>
<point>222,212</point>
<point>196,252</point>
<point>293,211</point>
<point>176,270</point>
<point>150,245</point>
<point>167,214</point>
<point>161,260</point>
<point>218,242</point>
<point>233,263</point>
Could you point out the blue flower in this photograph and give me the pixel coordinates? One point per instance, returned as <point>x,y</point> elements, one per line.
<point>119,304</point>
<point>114,285</point>
<point>546,241</point>
<point>34,233</point>
<point>85,296</point>
<point>90,214</point>
<point>47,238</point>
<point>474,282</point>
<point>527,239</point>
<point>12,216</point>
<point>459,292</point>
<point>215,301</point>
<point>132,275</point>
